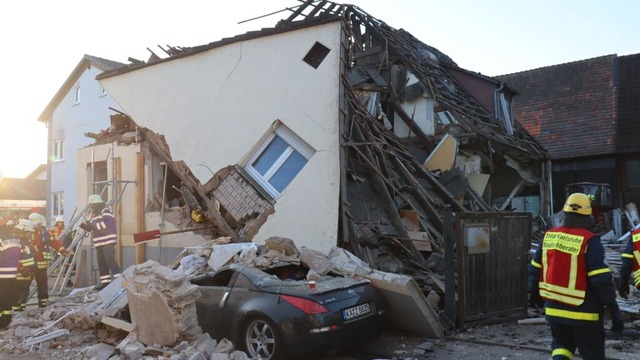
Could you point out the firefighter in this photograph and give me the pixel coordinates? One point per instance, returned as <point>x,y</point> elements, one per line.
<point>54,233</point>
<point>26,268</point>
<point>104,234</point>
<point>41,249</point>
<point>569,271</point>
<point>9,260</point>
<point>630,264</point>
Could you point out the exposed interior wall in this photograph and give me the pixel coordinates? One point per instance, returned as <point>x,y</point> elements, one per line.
<point>125,215</point>
<point>240,93</point>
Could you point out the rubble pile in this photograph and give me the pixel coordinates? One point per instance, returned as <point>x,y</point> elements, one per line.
<point>161,310</point>
<point>162,304</point>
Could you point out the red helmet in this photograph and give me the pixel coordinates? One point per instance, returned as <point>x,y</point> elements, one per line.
<point>3,222</point>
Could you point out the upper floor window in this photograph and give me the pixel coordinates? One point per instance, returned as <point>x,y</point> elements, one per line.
<point>102,91</point>
<point>58,204</point>
<point>278,160</point>
<point>76,95</point>
<point>57,153</point>
<point>503,111</point>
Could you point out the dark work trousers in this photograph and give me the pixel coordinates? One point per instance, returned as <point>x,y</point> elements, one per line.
<point>7,299</point>
<point>107,263</point>
<point>22,293</point>
<point>589,340</point>
<point>43,287</point>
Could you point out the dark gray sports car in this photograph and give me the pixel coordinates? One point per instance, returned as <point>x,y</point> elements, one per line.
<point>272,318</point>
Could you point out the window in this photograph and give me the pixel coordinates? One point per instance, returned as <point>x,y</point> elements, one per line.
<point>446,118</point>
<point>316,55</point>
<point>57,151</point>
<point>278,160</point>
<point>76,95</point>
<point>58,204</point>
<point>503,112</point>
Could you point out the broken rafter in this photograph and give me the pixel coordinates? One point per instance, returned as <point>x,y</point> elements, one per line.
<point>392,211</point>
<point>413,127</point>
<point>183,172</point>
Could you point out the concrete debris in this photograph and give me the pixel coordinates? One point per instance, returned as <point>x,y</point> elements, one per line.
<point>100,351</point>
<point>161,321</point>
<point>162,304</point>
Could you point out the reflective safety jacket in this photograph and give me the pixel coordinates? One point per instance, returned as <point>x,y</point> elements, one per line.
<point>56,243</point>
<point>103,228</point>
<point>631,258</point>
<point>40,248</point>
<point>9,258</point>
<point>41,245</point>
<point>571,274</point>
<point>27,263</point>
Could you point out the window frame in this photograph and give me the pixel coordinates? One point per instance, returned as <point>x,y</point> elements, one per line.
<point>102,91</point>
<point>57,151</point>
<point>295,144</point>
<point>76,95</point>
<point>57,203</point>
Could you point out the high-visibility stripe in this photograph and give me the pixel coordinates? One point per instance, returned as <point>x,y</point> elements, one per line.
<point>636,255</point>
<point>534,263</point>
<point>628,256</point>
<point>562,298</point>
<point>562,290</point>
<point>562,352</point>
<point>575,315</point>
<point>599,271</point>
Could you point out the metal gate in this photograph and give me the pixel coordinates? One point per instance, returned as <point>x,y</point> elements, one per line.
<point>492,254</point>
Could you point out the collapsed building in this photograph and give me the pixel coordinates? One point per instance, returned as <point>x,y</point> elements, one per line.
<point>332,129</point>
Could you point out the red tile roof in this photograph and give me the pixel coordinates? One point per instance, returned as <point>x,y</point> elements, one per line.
<point>569,108</point>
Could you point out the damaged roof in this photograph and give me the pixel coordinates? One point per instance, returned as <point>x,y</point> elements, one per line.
<point>426,62</point>
<point>381,176</point>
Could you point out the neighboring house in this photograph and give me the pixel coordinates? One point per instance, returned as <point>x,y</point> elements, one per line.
<point>21,197</point>
<point>585,113</point>
<point>40,173</point>
<point>81,105</point>
<point>331,128</point>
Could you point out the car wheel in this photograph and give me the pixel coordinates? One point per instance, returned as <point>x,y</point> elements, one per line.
<point>261,340</point>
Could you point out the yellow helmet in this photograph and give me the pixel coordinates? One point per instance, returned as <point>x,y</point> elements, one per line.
<point>578,203</point>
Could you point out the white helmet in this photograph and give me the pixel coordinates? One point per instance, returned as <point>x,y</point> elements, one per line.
<point>59,219</point>
<point>38,219</point>
<point>95,199</point>
<point>26,225</point>
<point>10,223</point>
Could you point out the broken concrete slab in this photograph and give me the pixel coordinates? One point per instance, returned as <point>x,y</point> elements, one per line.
<point>404,299</point>
<point>162,304</point>
<point>100,351</point>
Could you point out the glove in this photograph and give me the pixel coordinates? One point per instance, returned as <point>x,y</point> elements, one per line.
<point>623,287</point>
<point>64,252</point>
<point>85,226</point>
<point>535,300</point>
<point>616,319</point>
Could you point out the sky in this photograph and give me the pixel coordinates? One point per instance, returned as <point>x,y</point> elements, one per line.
<point>43,41</point>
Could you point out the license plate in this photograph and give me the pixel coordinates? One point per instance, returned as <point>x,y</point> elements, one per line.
<point>356,311</point>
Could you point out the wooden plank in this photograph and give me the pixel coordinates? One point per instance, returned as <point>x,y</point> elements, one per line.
<point>140,223</point>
